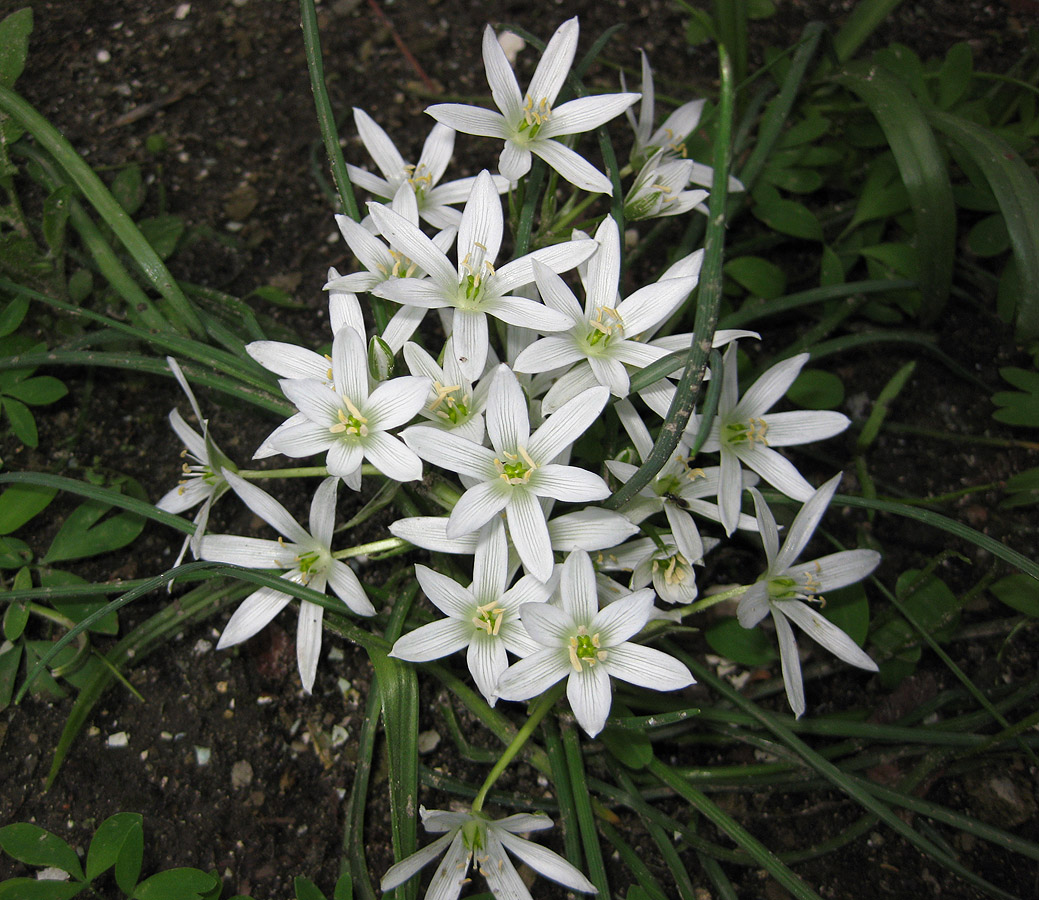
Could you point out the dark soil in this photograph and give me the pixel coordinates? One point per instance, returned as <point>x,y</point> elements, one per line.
<point>233,767</point>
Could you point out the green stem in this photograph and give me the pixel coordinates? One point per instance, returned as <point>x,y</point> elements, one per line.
<point>326,119</point>
<point>540,710</point>
<point>708,304</point>
<point>295,472</point>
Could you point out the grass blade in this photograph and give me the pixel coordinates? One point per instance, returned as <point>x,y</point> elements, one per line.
<point>923,171</point>
<point>1017,192</point>
<point>86,180</point>
<point>863,21</point>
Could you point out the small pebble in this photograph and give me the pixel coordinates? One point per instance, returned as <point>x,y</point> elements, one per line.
<point>241,774</point>
<point>103,56</point>
<point>119,739</point>
<point>202,755</point>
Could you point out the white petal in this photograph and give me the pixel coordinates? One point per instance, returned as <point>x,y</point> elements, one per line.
<point>529,532</point>
<point>840,569</point>
<point>545,861</point>
<point>514,161</point>
<point>350,366</point>
<point>344,459</point>
<point>487,659</point>
<point>525,313</point>
<point>552,352</point>
<point>555,62</point>
<point>400,872</point>
<point>611,374</point>
<point>567,424</point>
<point>410,241</point>
<point>252,615</point>
<point>687,536</point>
<point>586,113</point>
<point>507,420</point>
<point>577,588</point>
<point>391,457</point>
<point>450,452</point>
<point>430,533</point>
<point>753,605</point>
<point>470,342</point>
<point>476,506</point>
<point>647,667</point>
<point>251,553</point>
<point>481,228</point>
<point>433,641</point>
<point>308,643</point>
<point>381,148</point>
<point>534,675</point>
<point>622,619</point>
<point>558,257</point>
<point>323,512</point>
<point>791,664</point>
<point>772,385</point>
<point>805,523</point>
<point>470,119</point>
<point>590,697</point>
<point>803,426</point>
<point>572,166</point>
<point>345,585</point>
<point>446,594</point>
<point>491,563</point>
<point>589,529</point>
<point>397,401</point>
<point>824,632</point>
<point>267,508</point>
<point>568,483</point>
<point>547,624</point>
<point>450,875</point>
<point>288,360</point>
<point>767,528</point>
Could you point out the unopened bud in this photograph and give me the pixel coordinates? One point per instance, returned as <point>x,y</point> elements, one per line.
<point>380,359</point>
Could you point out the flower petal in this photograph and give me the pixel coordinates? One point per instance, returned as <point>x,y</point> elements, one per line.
<point>433,641</point>
<point>545,861</point>
<point>529,532</point>
<point>308,643</point>
<point>252,616</point>
<point>534,675</point>
<point>590,696</point>
<point>824,632</point>
<point>476,506</point>
<point>646,667</point>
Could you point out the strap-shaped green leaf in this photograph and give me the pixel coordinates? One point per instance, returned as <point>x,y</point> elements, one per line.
<point>924,173</point>
<point>1017,193</point>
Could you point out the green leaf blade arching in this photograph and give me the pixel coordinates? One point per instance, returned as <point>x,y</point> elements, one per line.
<point>924,173</point>
<point>1017,193</point>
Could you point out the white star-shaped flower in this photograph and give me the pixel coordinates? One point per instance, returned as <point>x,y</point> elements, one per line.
<point>744,432</point>
<point>203,480</point>
<point>530,124</point>
<point>603,335</point>
<point>347,423</point>
<point>471,837</point>
<point>306,558</point>
<point>587,646</point>
<point>786,584</point>
<point>475,289</point>
<point>433,200</point>
<point>483,617</point>
<point>518,470</point>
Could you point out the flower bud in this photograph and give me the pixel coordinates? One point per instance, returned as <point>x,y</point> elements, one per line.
<point>380,359</point>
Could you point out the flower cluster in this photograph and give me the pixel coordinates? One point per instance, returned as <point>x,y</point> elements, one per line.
<point>511,398</point>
